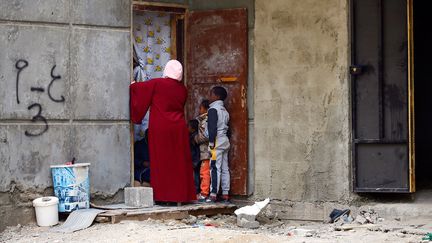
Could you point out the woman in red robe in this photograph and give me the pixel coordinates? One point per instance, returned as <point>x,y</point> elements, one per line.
<point>171,173</point>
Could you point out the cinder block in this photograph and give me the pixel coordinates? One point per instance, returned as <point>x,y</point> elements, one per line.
<point>139,196</point>
<point>244,223</point>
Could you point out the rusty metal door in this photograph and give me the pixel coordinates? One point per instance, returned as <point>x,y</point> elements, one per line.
<point>216,54</point>
<point>382,152</point>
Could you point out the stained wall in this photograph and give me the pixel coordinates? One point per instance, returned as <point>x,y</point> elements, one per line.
<point>64,76</point>
<point>301,107</point>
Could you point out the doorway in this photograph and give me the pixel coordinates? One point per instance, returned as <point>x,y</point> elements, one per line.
<point>390,99</point>
<point>157,33</point>
<point>216,42</point>
<point>382,160</point>
<point>422,88</point>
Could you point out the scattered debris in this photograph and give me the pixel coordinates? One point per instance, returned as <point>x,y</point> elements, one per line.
<point>360,219</point>
<point>252,210</point>
<point>337,213</point>
<point>184,227</point>
<point>250,224</point>
<point>246,216</point>
<point>211,225</point>
<point>269,213</point>
<point>414,231</point>
<point>304,232</point>
<point>78,220</point>
<point>374,227</point>
<point>368,217</point>
<point>190,220</point>
<point>352,226</point>
<point>222,228</point>
<point>428,237</point>
<point>344,219</point>
<point>171,222</point>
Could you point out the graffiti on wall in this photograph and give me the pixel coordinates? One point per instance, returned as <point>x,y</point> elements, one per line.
<point>20,65</point>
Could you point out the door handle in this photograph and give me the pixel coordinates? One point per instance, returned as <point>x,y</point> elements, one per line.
<point>227,79</point>
<point>356,69</point>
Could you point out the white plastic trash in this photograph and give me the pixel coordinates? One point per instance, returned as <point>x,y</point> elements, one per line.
<point>46,210</point>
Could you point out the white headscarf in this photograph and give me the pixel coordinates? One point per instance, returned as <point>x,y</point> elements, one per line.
<point>173,69</point>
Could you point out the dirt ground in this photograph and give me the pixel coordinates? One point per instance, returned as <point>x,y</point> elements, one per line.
<point>223,228</point>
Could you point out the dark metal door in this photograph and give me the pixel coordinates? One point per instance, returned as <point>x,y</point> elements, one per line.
<point>380,91</point>
<point>216,54</point>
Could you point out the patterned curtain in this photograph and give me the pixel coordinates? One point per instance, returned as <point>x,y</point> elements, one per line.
<point>152,41</point>
<point>152,50</point>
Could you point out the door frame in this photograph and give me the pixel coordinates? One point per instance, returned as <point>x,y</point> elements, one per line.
<point>161,7</point>
<point>173,8</point>
<point>410,98</point>
<point>411,107</point>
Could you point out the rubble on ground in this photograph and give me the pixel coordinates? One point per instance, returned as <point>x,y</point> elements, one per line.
<point>190,220</point>
<point>225,228</point>
<point>250,224</point>
<point>364,217</point>
<point>246,216</point>
<point>368,217</point>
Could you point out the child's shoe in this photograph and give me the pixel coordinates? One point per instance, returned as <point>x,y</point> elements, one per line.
<point>225,199</point>
<point>212,198</point>
<point>201,198</point>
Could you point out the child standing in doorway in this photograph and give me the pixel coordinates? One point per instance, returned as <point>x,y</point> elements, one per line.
<point>202,139</point>
<point>195,152</point>
<point>142,162</point>
<point>218,118</point>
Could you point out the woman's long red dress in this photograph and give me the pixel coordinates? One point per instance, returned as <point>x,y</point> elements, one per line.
<point>171,170</point>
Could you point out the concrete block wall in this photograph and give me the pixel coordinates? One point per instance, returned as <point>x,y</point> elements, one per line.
<point>301,104</point>
<point>75,55</point>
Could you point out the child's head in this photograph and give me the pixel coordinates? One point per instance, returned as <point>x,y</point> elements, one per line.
<point>204,106</point>
<point>193,125</point>
<point>218,93</point>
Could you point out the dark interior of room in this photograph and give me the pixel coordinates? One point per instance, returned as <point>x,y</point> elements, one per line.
<point>423,94</point>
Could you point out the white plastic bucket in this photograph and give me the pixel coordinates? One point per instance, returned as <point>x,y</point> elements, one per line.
<point>46,211</point>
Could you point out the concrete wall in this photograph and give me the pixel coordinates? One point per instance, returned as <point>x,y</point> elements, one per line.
<point>302,102</point>
<point>88,42</point>
<point>298,98</point>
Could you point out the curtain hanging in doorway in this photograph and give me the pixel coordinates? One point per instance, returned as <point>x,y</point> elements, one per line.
<point>152,44</point>
<point>152,50</point>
